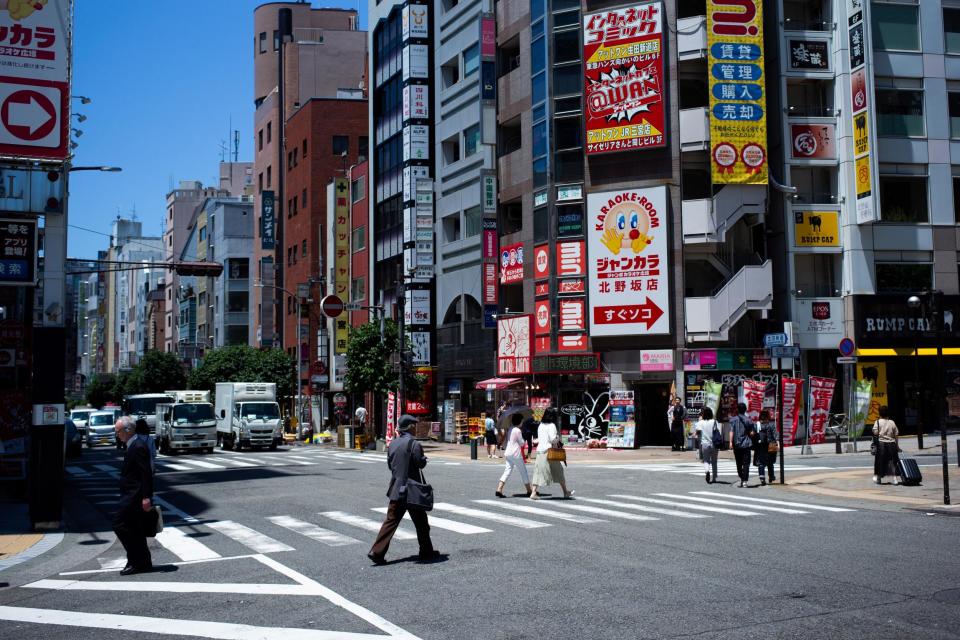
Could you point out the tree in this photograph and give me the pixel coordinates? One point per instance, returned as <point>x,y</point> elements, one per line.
<point>368,361</point>
<point>157,371</point>
<point>99,391</point>
<point>242,363</point>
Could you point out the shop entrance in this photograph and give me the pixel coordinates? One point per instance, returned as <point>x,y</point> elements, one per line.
<point>652,402</point>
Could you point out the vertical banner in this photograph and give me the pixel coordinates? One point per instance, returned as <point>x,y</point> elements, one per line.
<point>391,416</point>
<point>791,393</point>
<point>820,396</point>
<point>514,345</point>
<point>341,260</point>
<point>711,395</point>
<point>738,124</point>
<point>267,221</point>
<point>624,79</point>
<point>628,262</point>
<point>622,426</point>
<point>876,373</point>
<point>862,395</point>
<point>753,395</point>
<point>861,111</point>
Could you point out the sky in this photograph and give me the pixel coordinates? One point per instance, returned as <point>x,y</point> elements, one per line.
<point>165,79</point>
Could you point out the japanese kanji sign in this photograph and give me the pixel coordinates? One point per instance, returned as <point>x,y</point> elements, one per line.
<point>861,114</point>
<point>813,141</point>
<point>820,395</point>
<point>809,54</point>
<point>541,317</point>
<point>738,125</point>
<point>541,261</point>
<point>267,220</point>
<point>18,252</point>
<point>341,258</point>
<point>624,78</point>
<point>628,274</point>
<point>514,348</point>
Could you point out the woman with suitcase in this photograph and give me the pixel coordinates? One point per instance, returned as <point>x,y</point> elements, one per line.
<point>886,463</point>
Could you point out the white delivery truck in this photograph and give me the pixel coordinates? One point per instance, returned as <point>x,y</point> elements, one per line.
<point>144,405</point>
<point>248,415</point>
<point>186,423</point>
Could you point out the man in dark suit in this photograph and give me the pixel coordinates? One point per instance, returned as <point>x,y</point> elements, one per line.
<point>404,453</point>
<point>136,492</point>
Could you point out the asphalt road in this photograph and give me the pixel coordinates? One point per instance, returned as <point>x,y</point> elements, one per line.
<point>272,545</point>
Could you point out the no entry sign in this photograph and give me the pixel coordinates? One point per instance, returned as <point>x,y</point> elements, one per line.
<point>331,306</point>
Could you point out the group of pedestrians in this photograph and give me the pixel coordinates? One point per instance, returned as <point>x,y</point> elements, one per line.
<point>759,441</point>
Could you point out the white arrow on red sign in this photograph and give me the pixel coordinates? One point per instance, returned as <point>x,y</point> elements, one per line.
<point>28,115</point>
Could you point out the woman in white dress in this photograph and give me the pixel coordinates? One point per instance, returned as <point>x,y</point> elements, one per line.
<point>544,471</point>
<point>513,456</point>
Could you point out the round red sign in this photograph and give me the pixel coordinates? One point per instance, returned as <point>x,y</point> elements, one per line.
<point>331,306</point>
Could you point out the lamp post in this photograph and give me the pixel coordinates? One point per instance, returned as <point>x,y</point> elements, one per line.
<point>296,299</point>
<point>914,303</point>
<point>932,301</point>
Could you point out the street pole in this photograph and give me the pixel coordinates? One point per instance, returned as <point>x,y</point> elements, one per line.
<point>938,387</point>
<point>401,388</point>
<point>299,411</point>
<point>916,380</point>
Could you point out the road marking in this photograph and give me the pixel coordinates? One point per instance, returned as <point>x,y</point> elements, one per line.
<point>259,542</point>
<point>355,457</point>
<point>202,464</point>
<point>696,507</point>
<point>453,464</point>
<point>166,464</point>
<point>566,504</point>
<point>106,502</point>
<point>255,461</point>
<point>111,565</point>
<point>234,462</point>
<point>183,546</point>
<point>365,523</point>
<point>449,525</point>
<point>77,471</point>
<point>106,468</point>
<point>112,494</point>
<point>312,531</point>
<point>290,460</point>
<point>728,503</point>
<point>183,515</point>
<point>546,513</point>
<point>513,521</point>
<point>803,505</point>
<point>178,564</point>
<point>301,459</point>
<point>640,507</point>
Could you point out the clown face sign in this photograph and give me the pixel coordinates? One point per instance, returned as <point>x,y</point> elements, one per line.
<point>628,262</point>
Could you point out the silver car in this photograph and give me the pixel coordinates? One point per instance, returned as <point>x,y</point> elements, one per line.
<point>100,428</point>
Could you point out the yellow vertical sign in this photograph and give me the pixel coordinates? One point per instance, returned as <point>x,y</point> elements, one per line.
<point>341,259</point>
<point>875,372</point>
<point>738,124</point>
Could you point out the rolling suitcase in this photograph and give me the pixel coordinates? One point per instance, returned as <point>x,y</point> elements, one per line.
<point>909,471</point>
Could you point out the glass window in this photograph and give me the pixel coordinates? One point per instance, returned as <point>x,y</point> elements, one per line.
<point>471,140</point>
<point>472,222</point>
<point>303,248</point>
<point>239,268</point>
<point>568,166</point>
<point>451,228</point>
<point>567,80</point>
<point>358,238</point>
<point>539,139</point>
<point>900,112</point>
<point>817,275</point>
<point>471,59</point>
<point>566,46</point>
<point>540,176</point>
<point>538,55</point>
<point>238,301</point>
<point>951,30</point>
<point>539,93</point>
<point>341,144</point>
<point>953,104</point>
<point>903,198</point>
<point>895,26</point>
<point>901,277</point>
<point>358,289</point>
<point>358,189</point>
<point>566,19</point>
<point>541,224</point>
<point>956,200</point>
<point>263,42</point>
<point>568,133</point>
<point>537,7</point>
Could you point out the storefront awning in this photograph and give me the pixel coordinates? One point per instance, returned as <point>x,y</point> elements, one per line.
<point>493,384</point>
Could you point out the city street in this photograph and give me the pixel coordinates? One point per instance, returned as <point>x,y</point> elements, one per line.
<point>273,545</point>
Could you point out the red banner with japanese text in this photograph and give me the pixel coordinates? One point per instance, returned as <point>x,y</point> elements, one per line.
<point>391,416</point>
<point>791,392</point>
<point>820,396</point>
<point>753,394</point>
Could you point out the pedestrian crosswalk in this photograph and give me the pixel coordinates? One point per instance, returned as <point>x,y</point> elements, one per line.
<point>190,539</point>
<point>724,467</point>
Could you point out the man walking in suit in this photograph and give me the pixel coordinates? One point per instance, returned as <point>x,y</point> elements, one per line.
<point>404,453</point>
<point>136,492</point>
<point>742,433</point>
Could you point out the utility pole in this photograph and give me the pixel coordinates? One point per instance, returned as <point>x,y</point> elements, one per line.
<point>936,299</point>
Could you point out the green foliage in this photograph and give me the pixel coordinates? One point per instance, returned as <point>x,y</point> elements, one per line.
<point>156,372</point>
<point>368,360</point>
<point>99,391</point>
<point>242,363</point>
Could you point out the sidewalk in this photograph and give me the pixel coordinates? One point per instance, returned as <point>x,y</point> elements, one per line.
<point>17,541</point>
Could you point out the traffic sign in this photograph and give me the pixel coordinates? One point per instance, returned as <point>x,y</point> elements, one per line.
<point>792,351</point>
<point>847,360</point>
<point>846,347</point>
<point>774,340</point>
<point>32,119</point>
<point>331,306</point>
<point>340,400</point>
<point>353,306</point>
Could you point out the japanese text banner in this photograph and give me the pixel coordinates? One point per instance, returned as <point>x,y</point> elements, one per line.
<point>738,125</point>
<point>341,260</point>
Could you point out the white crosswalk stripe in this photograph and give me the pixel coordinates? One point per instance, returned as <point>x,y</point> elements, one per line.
<point>640,507</point>
<point>183,546</point>
<point>365,523</point>
<point>566,504</point>
<point>107,468</point>
<point>258,542</point>
<point>166,464</point>
<point>354,457</point>
<point>802,505</point>
<point>448,525</point>
<point>728,503</point>
<point>201,463</point>
<point>696,507</point>
<point>312,531</point>
<point>77,471</point>
<point>546,513</point>
<point>513,521</point>
<point>234,462</point>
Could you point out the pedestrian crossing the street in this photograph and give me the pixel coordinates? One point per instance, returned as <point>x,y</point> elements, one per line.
<point>724,467</point>
<point>190,539</point>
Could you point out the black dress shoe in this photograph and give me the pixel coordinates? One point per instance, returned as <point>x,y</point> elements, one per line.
<point>500,495</point>
<point>129,570</point>
<point>433,555</point>
<point>377,560</point>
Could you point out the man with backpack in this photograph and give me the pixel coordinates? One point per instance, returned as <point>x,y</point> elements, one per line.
<point>742,433</point>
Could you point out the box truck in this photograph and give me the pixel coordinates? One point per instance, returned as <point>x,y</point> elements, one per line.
<point>248,415</point>
<point>188,423</point>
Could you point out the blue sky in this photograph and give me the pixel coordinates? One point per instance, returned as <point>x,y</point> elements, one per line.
<point>166,78</point>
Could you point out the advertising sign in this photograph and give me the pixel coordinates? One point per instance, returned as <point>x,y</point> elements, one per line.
<point>622,426</point>
<point>416,61</point>
<point>571,259</point>
<point>490,288</point>
<point>876,374</point>
<point>34,78</point>
<point>753,393</point>
<point>820,396</point>
<point>624,81</point>
<point>18,251</point>
<point>738,125</point>
<point>569,221</point>
<point>628,262</point>
<point>818,324</point>
<point>416,138</point>
<point>341,259</point>
<point>572,342</point>
<point>511,263</point>
<point>867,207</point>
<point>267,220</point>
<point>699,360</point>
<point>514,348</point>
<point>813,142</point>
<point>391,416</point>
<point>416,101</point>
<point>488,37</point>
<point>541,317</point>
<point>421,403</point>
<point>790,395</point>
<point>566,363</point>
<point>816,228</point>
<point>414,21</point>
<point>419,344</point>
<point>416,309</point>
<point>489,192</point>
<point>572,314</point>
<point>656,360</point>
<point>712,392</point>
<point>812,55</point>
<point>541,261</point>
<point>862,397</point>
<point>571,286</point>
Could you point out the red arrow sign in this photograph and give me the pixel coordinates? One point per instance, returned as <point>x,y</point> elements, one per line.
<point>28,115</point>
<point>647,313</point>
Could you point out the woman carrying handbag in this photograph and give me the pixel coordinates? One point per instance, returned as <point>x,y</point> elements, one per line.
<point>550,453</point>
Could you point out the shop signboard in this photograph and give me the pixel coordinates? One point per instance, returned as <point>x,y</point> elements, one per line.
<point>735,61</point>
<point>18,251</point>
<point>414,21</point>
<point>876,374</point>
<point>571,286</point>
<point>621,426</point>
<point>416,308</point>
<point>816,228</point>
<point>267,220</point>
<point>813,142</point>
<point>490,288</point>
<point>790,397</point>
<point>489,239</point>
<point>419,344</point>
<point>489,204</point>
<point>541,261</point>
<point>488,36</point>
<point>421,403</point>
<point>541,316</point>
<point>656,360</point>
<point>699,360</point>
<point>752,392</point>
<point>818,405</point>
<point>809,55</point>
<point>569,192</point>
<point>818,323</point>
<point>416,101</point>
<point>511,263</point>
<point>514,345</point>
<point>572,314</point>
<point>31,189</point>
<point>571,258</point>
<point>341,259</point>
<point>885,321</point>
<point>541,289</point>
<point>416,142</point>
<point>541,344</point>
<point>624,79</point>
<point>415,61</point>
<point>861,115</point>
<point>628,262</point>
<point>572,342</point>
<point>569,221</point>
<point>566,363</point>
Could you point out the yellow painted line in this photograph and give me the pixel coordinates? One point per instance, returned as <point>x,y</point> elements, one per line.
<point>924,351</point>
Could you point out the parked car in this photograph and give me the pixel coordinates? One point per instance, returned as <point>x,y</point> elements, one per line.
<point>100,428</point>
<point>72,440</point>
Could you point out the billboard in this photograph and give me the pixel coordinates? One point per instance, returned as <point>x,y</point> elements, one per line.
<point>816,228</point>
<point>541,261</point>
<point>861,113</point>
<point>628,265</point>
<point>624,83</point>
<point>738,125</point>
<point>267,221</point>
<point>813,142</point>
<point>18,251</point>
<point>511,263</point>
<point>514,348</point>
<point>341,259</point>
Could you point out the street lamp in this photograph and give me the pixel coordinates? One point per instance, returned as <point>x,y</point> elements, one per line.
<point>296,299</point>
<point>96,168</point>
<point>914,303</point>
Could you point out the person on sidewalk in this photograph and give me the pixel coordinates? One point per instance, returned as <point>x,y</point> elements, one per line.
<point>742,433</point>
<point>404,454</point>
<point>547,471</point>
<point>710,438</point>
<point>136,493</point>
<point>767,438</point>
<point>490,436</point>
<point>677,414</point>
<point>513,456</point>
<point>887,460</point>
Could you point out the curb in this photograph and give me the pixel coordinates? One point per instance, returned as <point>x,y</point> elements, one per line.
<point>46,543</point>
